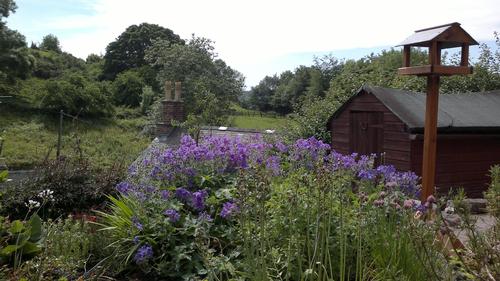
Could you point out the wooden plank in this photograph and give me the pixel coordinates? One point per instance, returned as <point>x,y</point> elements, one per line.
<point>396,145</point>
<point>406,56</point>
<point>464,61</point>
<point>397,155</point>
<point>445,70</point>
<point>430,132</point>
<point>397,136</point>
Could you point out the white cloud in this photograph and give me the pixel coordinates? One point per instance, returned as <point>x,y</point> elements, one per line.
<point>253,32</point>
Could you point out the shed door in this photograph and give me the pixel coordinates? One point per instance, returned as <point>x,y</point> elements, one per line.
<point>367,132</point>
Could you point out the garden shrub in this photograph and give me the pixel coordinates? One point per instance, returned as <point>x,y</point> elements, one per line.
<point>61,187</point>
<point>225,208</point>
<point>69,252</point>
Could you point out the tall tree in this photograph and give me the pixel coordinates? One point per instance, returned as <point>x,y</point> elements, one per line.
<point>204,77</point>
<point>128,50</point>
<point>50,42</point>
<point>15,61</point>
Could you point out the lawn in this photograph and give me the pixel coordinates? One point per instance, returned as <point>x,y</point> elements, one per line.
<point>258,122</point>
<point>29,138</point>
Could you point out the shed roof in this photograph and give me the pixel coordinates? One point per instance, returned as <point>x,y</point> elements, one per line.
<point>470,112</point>
<point>450,35</point>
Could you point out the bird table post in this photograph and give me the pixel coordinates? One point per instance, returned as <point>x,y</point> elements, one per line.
<point>435,39</point>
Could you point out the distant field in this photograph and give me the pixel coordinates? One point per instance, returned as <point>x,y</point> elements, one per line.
<point>258,122</point>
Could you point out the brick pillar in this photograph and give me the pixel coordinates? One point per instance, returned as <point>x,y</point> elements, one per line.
<point>173,110</point>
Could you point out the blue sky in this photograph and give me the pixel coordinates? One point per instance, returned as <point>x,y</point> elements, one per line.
<point>257,37</point>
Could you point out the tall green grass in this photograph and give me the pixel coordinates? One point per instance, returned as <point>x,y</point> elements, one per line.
<point>29,138</point>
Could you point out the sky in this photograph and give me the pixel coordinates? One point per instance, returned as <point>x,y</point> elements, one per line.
<point>256,37</point>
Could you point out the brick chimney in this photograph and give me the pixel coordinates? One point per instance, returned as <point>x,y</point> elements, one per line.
<point>173,109</point>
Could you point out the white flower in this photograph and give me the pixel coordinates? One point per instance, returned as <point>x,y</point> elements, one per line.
<point>46,194</point>
<point>32,204</point>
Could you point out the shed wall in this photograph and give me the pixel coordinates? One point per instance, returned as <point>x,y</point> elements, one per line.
<point>396,142</point>
<point>462,161</point>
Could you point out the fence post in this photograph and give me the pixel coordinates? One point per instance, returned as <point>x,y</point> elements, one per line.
<point>59,135</point>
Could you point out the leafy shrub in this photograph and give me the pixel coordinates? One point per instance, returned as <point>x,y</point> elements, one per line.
<point>72,92</point>
<point>69,252</point>
<point>19,240</point>
<point>61,187</point>
<point>127,88</point>
<point>227,208</point>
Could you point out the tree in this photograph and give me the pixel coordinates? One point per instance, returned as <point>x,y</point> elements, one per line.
<point>50,42</point>
<point>15,60</point>
<point>7,7</point>
<point>209,84</point>
<point>127,88</point>
<point>73,93</point>
<point>128,50</point>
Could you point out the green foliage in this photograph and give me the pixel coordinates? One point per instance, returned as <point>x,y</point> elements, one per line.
<point>493,193</point>
<point>31,138</point>
<point>70,245</point>
<point>310,118</point>
<point>480,259</point>
<point>128,50</point>
<point>146,99</point>
<point>127,88</point>
<point>209,85</point>
<point>72,93</point>
<point>61,187</point>
<point>51,64</point>
<point>50,43</point>
<point>15,61</point>
<point>287,91</point>
<point>20,240</point>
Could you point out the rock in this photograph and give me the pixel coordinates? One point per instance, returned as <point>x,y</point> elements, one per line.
<point>452,220</point>
<point>477,205</point>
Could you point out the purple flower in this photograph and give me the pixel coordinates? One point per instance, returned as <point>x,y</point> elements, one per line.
<point>367,174</point>
<point>408,204</point>
<point>137,223</point>
<point>143,254</point>
<point>205,217</point>
<point>172,215</point>
<point>198,200</point>
<point>165,194</point>
<point>229,209</point>
<point>378,203</point>
<point>136,240</point>
<point>183,194</point>
<point>124,187</point>
<point>273,165</point>
<point>281,147</point>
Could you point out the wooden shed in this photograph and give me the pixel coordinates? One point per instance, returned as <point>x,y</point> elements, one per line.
<point>390,122</point>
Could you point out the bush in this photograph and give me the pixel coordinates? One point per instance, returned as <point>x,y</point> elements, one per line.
<point>227,209</point>
<point>71,251</point>
<point>61,187</point>
<point>72,93</point>
<point>127,88</point>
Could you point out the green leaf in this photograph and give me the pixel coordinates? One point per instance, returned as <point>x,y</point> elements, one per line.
<point>36,228</point>
<point>7,251</point>
<point>3,175</point>
<point>31,248</point>
<point>16,227</point>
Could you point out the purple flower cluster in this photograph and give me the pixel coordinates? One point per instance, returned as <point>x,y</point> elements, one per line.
<point>143,254</point>
<point>198,200</point>
<point>172,215</point>
<point>229,209</point>
<point>226,155</point>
